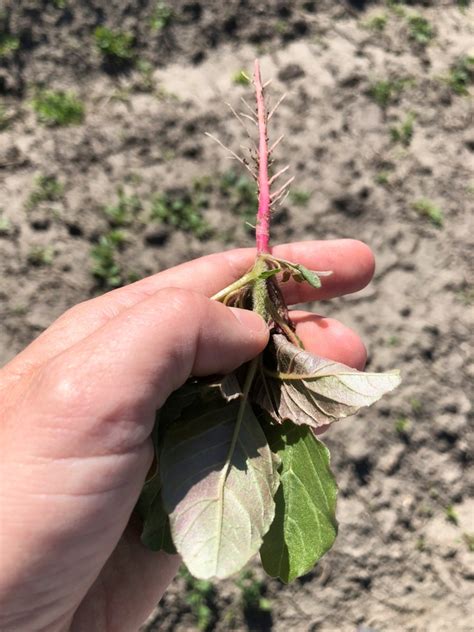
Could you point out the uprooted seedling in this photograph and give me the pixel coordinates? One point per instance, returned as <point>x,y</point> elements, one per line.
<point>239,468</point>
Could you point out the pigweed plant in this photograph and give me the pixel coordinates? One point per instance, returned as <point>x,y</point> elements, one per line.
<point>239,468</point>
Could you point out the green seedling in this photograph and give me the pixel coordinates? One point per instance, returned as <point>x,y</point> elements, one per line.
<point>115,46</point>
<point>241,78</point>
<point>429,209</point>
<point>252,593</point>
<point>396,7</point>
<point>5,224</point>
<point>421,31</point>
<point>105,266</point>
<point>162,16</point>
<point>241,196</point>
<point>386,91</point>
<point>382,178</point>
<point>403,133</point>
<point>451,515</point>
<point>41,256</point>
<point>8,44</point>
<point>469,540</point>
<point>461,75</point>
<point>377,23</point>
<point>299,197</point>
<point>124,210</point>
<point>58,108</point>
<point>240,469</point>
<point>183,210</point>
<point>5,118</point>
<point>402,425</point>
<point>46,189</point>
<point>200,594</point>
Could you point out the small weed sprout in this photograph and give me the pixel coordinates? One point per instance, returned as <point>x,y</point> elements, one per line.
<point>41,256</point>
<point>182,209</point>
<point>124,210</point>
<point>5,224</point>
<point>241,194</point>
<point>241,78</point>
<point>469,540</point>
<point>200,594</point>
<point>403,133</point>
<point>386,91</point>
<point>115,46</point>
<point>161,17</point>
<point>58,108</point>
<point>402,425</point>
<point>252,591</point>
<point>8,44</point>
<point>377,23</point>
<point>461,75</point>
<point>299,197</point>
<point>105,266</point>
<point>429,209</point>
<point>421,31</point>
<point>382,178</point>
<point>451,515</point>
<point>46,189</point>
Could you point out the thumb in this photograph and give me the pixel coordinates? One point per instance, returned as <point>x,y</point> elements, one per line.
<point>128,368</point>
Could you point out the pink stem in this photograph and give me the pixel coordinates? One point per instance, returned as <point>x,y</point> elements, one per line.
<point>262,232</point>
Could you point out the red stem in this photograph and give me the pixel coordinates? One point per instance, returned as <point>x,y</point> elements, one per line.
<point>262,232</point>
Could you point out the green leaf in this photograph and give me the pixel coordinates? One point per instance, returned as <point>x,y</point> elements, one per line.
<point>218,481</point>
<point>307,389</point>
<point>266,274</point>
<point>309,276</point>
<point>305,525</point>
<point>156,534</point>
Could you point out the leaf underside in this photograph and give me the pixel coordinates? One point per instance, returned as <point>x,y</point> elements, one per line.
<point>307,389</point>
<point>305,525</point>
<point>218,482</point>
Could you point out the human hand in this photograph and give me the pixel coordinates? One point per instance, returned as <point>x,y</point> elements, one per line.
<point>77,409</point>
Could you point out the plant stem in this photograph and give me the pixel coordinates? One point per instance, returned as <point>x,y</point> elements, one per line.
<point>262,231</point>
<point>237,285</point>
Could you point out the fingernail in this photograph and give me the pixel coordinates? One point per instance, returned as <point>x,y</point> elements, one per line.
<point>250,320</point>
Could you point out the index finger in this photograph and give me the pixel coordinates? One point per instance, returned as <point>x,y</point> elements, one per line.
<point>351,263</point>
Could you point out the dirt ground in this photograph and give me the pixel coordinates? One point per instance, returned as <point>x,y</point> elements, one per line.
<point>381,145</point>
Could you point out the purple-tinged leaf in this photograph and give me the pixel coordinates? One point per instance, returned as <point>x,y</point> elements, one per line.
<point>218,481</point>
<point>307,389</point>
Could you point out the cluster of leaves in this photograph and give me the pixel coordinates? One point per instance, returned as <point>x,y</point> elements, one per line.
<point>123,211</point>
<point>47,189</point>
<point>421,31</point>
<point>240,193</point>
<point>41,256</point>
<point>238,463</point>
<point>116,47</point>
<point>8,44</point>
<point>200,595</point>
<point>182,209</point>
<point>403,133</point>
<point>105,266</point>
<point>58,108</point>
<point>386,91</point>
<point>461,75</point>
<point>162,16</point>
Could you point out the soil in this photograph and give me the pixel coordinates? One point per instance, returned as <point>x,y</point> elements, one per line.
<point>403,558</point>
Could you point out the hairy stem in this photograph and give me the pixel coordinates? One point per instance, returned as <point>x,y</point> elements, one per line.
<point>262,232</point>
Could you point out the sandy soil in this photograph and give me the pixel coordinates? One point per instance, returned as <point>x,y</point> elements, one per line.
<point>403,559</point>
